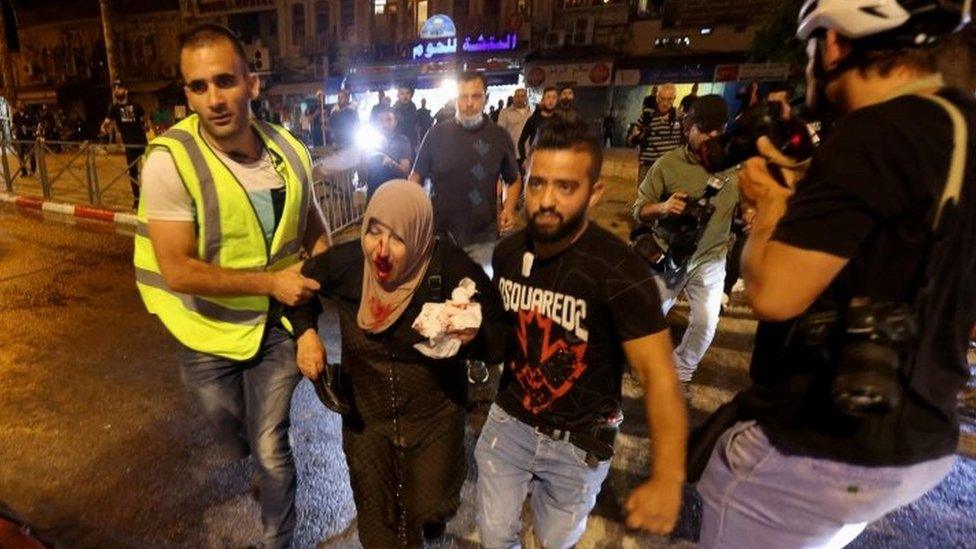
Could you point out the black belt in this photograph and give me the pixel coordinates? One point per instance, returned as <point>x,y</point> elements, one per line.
<point>596,450</point>
<point>564,435</point>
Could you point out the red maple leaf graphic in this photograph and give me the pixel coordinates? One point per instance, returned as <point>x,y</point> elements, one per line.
<point>540,390</point>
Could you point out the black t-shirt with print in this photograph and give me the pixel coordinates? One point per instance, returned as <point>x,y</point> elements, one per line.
<point>570,317</point>
<point>128,118</point>
<point>464,167</point>
<point>870,196</point>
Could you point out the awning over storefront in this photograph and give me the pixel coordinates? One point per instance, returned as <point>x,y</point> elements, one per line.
<point>499,69</point>
<point>648,71</point>
<point>330,85</point>
<point>594,73</point>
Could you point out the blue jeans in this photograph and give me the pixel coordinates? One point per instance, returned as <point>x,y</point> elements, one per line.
<point>703,286</point>
<point>513,460</point>
<point>248,404</point>
<point>756,496</point>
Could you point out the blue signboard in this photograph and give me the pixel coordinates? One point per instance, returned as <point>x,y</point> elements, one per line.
<point>438,26</point>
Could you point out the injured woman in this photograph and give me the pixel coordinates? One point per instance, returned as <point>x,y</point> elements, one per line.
<point>413,308</point>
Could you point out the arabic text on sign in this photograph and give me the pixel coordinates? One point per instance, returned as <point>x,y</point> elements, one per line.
<point>480,44</point>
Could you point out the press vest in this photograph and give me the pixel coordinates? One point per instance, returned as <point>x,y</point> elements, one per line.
<point>229,235</point>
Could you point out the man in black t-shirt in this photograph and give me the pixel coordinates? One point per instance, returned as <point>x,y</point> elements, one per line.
<point>424,120</point>
<point>343,121</point>
<point>406,115</point>
<point>570,290</point>
<point>464,158</point>
<point>392,158</point>
<point>806,466</point>
<point>130,120</point>
<point>544,113</point>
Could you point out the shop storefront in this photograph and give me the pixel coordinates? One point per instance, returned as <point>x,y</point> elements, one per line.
<point>432,64</point>
<point>631,84</point>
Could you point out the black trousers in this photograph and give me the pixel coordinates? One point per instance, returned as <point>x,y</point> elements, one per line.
<point>400,489</point>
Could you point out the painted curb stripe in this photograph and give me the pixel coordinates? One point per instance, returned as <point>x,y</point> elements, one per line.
<point>86,212</point>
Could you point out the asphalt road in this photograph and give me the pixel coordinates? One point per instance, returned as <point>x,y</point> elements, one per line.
<point>100,446</point>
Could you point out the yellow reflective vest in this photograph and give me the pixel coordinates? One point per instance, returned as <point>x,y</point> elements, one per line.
<point>229,235</point>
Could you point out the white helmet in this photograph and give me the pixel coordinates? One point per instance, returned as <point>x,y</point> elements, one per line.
<point>927,20</point>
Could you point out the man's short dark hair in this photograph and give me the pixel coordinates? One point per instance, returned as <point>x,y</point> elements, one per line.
<point>549,89</point>
<point>574,136</point>
<point>379,110</point>
<point>208,33</point>
<point>866,56</point>
<point>778,87</point>
<point>468,76</point>
<point>407,87</point>
<point>565,87</point>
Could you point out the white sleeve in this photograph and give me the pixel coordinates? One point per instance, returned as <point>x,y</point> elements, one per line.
<point>163,194</point>
<point>503,121</point>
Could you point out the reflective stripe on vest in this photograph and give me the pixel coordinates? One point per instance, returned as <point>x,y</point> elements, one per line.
<point>294,160</point>
<point>199,305</point>
<point>211,206</point>
<point>229,235</point>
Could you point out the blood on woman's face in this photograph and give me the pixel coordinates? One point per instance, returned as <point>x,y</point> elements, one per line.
<point>386,252</point>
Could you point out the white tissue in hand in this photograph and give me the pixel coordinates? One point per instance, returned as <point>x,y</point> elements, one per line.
<point>437,320</point>
<point>464,292</point>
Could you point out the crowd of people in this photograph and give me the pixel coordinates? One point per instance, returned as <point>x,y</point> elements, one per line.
<point>855,260</point>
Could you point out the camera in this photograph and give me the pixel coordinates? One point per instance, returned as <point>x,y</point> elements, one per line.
<point>738,143</point>
<point>872,339</point>
<point>669,244</point>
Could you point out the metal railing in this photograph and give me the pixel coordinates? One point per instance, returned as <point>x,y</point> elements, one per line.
<point>72,171</point>
<point>86,172</point>
<point>341,197</point>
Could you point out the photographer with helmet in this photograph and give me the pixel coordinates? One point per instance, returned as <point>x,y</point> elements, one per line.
<point>860,275</point>
<point>667,200</point>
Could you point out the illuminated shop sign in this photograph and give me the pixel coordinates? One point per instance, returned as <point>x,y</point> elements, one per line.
<point>428,49</point>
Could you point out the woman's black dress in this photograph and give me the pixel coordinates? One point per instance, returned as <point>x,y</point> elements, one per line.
<point>404,438</point>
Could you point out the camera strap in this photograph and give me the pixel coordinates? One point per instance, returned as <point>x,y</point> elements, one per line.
<point>957,163</point>
<point>941,223</point>
<point>951,192</point>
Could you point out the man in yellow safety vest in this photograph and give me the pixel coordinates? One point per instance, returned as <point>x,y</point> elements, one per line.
<point>227,208</point>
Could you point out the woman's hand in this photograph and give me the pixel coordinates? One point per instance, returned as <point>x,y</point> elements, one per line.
<point>310,354</point>
<point>466,335</point>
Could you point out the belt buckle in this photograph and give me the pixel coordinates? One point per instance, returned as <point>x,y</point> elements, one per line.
<point>555,434</point>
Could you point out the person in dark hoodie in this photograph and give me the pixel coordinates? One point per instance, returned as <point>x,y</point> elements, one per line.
<point>403,432</point>
<point>543,113</point>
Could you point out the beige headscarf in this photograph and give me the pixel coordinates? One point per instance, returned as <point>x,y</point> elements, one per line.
<point>405,208</point>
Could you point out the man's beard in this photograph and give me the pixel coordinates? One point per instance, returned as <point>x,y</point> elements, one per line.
<point>565,228</point>
<point>120,97</point>
<point>566,103</point>
<point>469,123</point>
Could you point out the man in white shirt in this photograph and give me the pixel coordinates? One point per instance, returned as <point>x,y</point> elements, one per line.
<point>512,119</point>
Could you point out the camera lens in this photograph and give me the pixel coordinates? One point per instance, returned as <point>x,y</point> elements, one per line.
<point>867,379</point>
<point>477,372</point>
